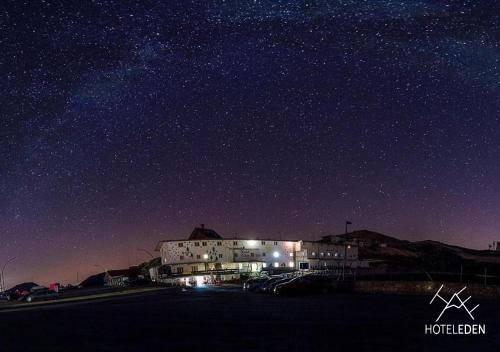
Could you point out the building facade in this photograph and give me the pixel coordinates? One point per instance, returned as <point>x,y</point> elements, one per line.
<point>321,255</point>
<point>206,255</point>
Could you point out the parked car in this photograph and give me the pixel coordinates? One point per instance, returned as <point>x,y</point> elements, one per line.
<point>269,286</point>
<point>252,284</point>
<point>305,285</point>
<point>41,295</point>
<point>4,296</point>
<point>264,286</point>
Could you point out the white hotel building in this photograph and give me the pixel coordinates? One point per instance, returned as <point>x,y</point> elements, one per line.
<point>206,253</point>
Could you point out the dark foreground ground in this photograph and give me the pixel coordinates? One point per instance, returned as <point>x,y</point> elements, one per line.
<point>228,319</point>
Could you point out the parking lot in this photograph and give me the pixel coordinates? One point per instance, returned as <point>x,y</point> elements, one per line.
<point>215,319</point>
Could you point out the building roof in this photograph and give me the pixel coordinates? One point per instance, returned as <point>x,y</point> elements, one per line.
<point>202,233</point>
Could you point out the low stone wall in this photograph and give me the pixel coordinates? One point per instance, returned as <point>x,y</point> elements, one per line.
<point>424,288</point>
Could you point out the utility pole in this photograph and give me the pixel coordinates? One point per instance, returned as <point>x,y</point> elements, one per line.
<point>345,250</point>
<point>346,246</point>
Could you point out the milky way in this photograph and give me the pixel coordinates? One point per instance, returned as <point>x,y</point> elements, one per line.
<point>126,122</point>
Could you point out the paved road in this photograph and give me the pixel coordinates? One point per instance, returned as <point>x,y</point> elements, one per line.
<point>228,319</point>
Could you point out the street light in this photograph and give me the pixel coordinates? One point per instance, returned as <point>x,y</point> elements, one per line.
<point>155,269</point>
<point>3,269</point>
<point>103,268</point>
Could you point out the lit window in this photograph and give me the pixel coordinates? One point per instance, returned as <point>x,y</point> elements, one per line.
<point>291,264</point>
<point>205,256</point>
<point>322,254</point>
<point>291,254</point>
<point>252,243</point>
<point>313,253</point>
<point>276,254</point>
<point>276,264</point>
<point>264,265</point>
<point>336,254</point>
<point>329,254</point>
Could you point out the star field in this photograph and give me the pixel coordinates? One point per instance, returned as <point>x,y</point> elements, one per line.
<point>126,122</point>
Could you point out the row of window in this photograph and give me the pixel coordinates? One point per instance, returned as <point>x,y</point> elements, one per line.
<point>329,254</point>
<point>219,243</point>
<point>180,270</point>
<point>198,256</point>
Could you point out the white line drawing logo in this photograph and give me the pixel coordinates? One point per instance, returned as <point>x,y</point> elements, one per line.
<point>454,302</point>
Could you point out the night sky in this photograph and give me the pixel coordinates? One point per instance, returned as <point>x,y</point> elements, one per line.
<point>126,122</point>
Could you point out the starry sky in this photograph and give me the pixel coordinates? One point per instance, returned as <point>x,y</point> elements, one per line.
<point>126,122</point>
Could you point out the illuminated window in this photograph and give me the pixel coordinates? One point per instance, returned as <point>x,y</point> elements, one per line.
<point>264,265</point>
<point>276,264</point>
<point>291,254</point>
<point>291,264</point>
<point>329,254</point>
<point>205,256</point>
<point>276,254</point>
<point>322,254</point>
<point>313,253</point>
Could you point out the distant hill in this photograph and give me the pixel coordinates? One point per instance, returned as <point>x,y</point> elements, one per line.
<point>423,255</point>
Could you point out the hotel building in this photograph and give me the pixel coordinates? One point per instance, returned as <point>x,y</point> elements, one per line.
<point>205,252</point>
